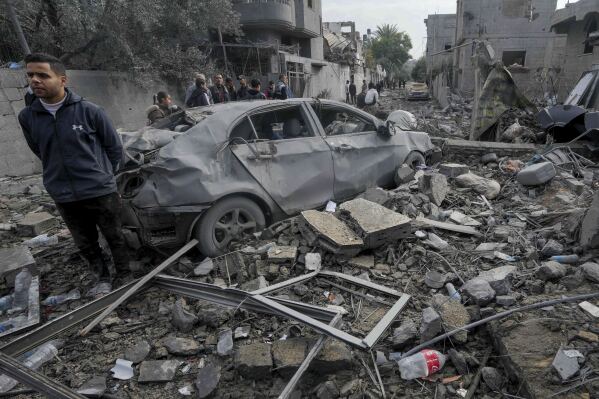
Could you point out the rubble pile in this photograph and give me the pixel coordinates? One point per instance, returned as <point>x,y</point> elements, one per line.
<point>454,244</point>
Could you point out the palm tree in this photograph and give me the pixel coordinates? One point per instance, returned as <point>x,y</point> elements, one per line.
<point>386,31</point>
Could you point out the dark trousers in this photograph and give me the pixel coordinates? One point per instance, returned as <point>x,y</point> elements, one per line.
<point>353,98</point>
<point>83,219</point>
<point>347,99</point>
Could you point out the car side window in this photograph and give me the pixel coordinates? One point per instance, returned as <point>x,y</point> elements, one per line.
<point>338,121</point>
<point>243,130</point>
<point>281,124</point>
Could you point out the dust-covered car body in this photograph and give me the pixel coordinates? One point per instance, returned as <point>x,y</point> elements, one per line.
<point>283,156</point>
<point>418,91</point>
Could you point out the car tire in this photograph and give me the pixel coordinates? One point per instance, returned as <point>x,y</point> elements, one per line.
<point>226,221</point>
<point>415,159</point>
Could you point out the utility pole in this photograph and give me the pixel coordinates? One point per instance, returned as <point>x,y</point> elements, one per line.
<point>12,15</point>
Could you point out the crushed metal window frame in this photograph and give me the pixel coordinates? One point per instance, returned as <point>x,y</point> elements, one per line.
<point>257,301</point>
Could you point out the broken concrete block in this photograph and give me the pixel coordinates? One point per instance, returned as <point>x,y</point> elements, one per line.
<point>36,223</point>
<point>253,361</point>
<point>431,324</point>
<point>231,264</point>
<point>204,268</point>
<point>436,242</point>
<point>551,271</point>
<point>138,352</point>
<point>537,174</point>
<point>224,347</point>
<point>325,230</point>
<point>459,361</point>
<point>435,186</point>
<point>362,262</point>
<point>207,381</point>
<point>589,232</point>
<point>591,271</point>
<point>182,319</point>
<point>13,260</point>
<point>589,308</point>
<point>453,170</point>
<point>334,356</point>
<point>181,346</point>
<point>566,363</point>
<point>376,195</point>
<point>499,278</point>
<point>404,175</point>
<point>552,248</point>
<point>376,224</point>
<point>505,300</point>
<point>404,334</point>
<point>313,261</point>
<point>158,370</point>
<point>575,185</point>
<point>493,378</point>
<point>479,290</point>
<point>454,315</point>
<point>289,354</point>
<point>487,187</point>
<point>255,284</point>
<point>434,279</point>
<point>282,254</point>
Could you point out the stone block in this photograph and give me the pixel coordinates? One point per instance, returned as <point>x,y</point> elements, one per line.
<point>431,324</point>
<point>435,186</point>
<point>479,290</point>
<point>575,185</point>
<point>404,334</point>
<point>454,315</point>
<point>591,271</point>
<point>334,356</point>
<point>499,278</point>
<point>453,170</point>
<point>181,346</point>
<point>325,230</point>
<point>404,175</point>
<point>158,370</point>
<point>551,271</point>
<point>254,361</point>
<point>362,262</point>
<point>376,224</point>
<point>36,223</point>
<point>289,354</point>
<point>282,254</point>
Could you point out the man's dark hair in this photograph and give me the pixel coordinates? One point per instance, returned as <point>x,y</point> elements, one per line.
<point>200,82</point>
<point>161,95</point>
<point>55,64</point>
<point>281,76</point>
<point>347,81</point>
<point>271,82</point>
<point>255,83</point>
<point>228,80</point>
<point>371,85</point>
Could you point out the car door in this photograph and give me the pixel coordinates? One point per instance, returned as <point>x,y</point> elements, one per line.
<point>288,157</point>
<point>362,158</point>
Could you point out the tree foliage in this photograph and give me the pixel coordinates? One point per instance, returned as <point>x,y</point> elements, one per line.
<point>419,71</point>
<point>154,39</point>
<point>390,48</point>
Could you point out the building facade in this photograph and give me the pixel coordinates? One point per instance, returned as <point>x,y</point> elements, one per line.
<point>579,23</point>
<point>518,31</point>
<point>440,36</point>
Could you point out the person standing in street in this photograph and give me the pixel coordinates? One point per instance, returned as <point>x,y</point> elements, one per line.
<point>364,87</point>
<point>80,152</point>
<point>243,88</point>
<point>230,86</point>
<point>371,99</point>
<point>282,90</point>
<point>200,97</point>
<point>347,98</point>
<point>254,92</point>
<point>352,93</point>
<point>219,92</point>
<point>270,91</point>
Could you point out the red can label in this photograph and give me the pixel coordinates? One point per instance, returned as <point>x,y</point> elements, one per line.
<point>432,361</point>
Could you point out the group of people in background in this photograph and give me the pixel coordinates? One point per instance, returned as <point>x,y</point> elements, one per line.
<point>369,93</point>
<point>199,94</point>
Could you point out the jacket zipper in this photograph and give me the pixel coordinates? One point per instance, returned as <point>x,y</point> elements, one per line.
<point>62,153</point>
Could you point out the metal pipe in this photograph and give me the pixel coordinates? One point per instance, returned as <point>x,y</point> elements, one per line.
<point>497,317</point>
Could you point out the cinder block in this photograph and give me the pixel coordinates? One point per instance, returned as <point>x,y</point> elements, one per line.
<point>36,223</point>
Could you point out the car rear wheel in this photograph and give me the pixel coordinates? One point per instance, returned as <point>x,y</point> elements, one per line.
<point>415,159</point>
<point>228,220</point>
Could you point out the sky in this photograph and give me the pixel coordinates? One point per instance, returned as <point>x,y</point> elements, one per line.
<point>408,15</point>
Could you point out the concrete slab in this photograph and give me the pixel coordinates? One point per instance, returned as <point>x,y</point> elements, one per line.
<point>36,223</point>
<point>376,224</point>
<point>325,230</point>
<point>158,370</point>
<point>282,254</point>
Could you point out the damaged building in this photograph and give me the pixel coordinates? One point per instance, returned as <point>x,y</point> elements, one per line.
<point>517,30</point>
<point>440,33</point>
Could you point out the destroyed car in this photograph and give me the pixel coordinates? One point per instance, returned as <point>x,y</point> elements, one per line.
<point>216,173</point>
<point>418,91</point>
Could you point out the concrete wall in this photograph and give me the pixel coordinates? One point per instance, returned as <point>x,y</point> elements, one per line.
<point>509,25</point>
<point>440,32</point>
<point>440,89</point>
<point>124,102</point>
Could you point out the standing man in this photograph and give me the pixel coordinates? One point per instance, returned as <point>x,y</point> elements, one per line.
<point>282,90</point>
<point>193,86</point>
<point>270,91</point>
<point>364,87</point>
<point>219,91</point>
<point>347,98</point>
<point>254,93</point>
<point>200,97</point>
<point>80,153</point>
<point>243,88</point>
<point>352,92</point>
<point>371,99</point>
<point>230,86</point>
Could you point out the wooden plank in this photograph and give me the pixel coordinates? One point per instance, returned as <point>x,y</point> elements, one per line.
<point>139,285</point>
<point>447,226</point>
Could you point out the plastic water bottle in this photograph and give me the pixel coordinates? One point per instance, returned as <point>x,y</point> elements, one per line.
<point>6,303</point>
<point>55,300</point>
<point>21,295</point>
<point>41,241</point>
<point>454,295</point>
<point>422,364</point>
<point>41,355</point>
<point>566,259</point>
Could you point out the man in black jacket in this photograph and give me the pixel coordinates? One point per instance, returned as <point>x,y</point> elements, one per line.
<point>80,152</point>
<point>254,93</point>
<point>219,92</point>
